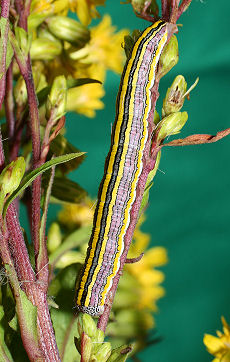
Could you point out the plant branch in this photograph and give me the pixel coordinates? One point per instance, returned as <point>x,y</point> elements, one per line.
<point>183,7</point>
<point>9,103</point>
<point>5,6</point>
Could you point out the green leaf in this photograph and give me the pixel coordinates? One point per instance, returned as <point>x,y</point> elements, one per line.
<point>31,176</point>
<point>65,190</point>
<point>5,355</point>
<point>61,146</point>
<point>72,241</point>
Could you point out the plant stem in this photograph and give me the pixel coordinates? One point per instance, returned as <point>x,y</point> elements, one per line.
<point>5,6</point>
<point>9,103</point>
<point>183,7</point>
<point>165,6</point>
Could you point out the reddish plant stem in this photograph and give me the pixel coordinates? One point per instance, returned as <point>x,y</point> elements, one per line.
<point>183,7</point>
<point>5,6</point>
<point>9,103</point>
<point>35,135</point>
<point>165,9</point>
<point>27,279</point>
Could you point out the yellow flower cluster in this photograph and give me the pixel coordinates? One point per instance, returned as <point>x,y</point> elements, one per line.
<point>69,48</point>
<point>219,346</point>
<point>85,9</point>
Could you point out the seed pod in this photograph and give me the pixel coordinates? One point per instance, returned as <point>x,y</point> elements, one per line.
<point>174,98</point>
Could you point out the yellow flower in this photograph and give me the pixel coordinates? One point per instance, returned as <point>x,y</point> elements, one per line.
<point>76,215</point>
<point>105,46</point>
<point>219,346</point>
<point>49,7</point>
<point>85,9</point>
<point>85,99</point>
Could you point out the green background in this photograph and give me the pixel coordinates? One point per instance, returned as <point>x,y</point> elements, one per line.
<point>189,203</point>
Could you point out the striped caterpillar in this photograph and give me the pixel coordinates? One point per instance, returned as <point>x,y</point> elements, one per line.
<point>123,168</point>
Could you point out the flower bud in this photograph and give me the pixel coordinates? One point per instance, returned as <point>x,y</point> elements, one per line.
<point>45,49</point>
<point>56,103</point>
<point>171,124</point>
<point>68,29</point>
<point>45,33</point>
<point>54,237</point>
<point>87,325</point>
<point>20,92</point>
<point>11,175</point>
<point>103,352</point>
<point>174,98</point>
<point>169,57</point>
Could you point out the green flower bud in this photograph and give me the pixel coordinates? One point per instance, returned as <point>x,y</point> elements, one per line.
<point>45,49</point>
<point>68,29</point>
<point>56,103</point>
<point>45,33</point>
<point>20,92</point>
<point>99,335</point>
<point>87,325</point>
<point>11,176</point>
<point>174,98</point>
<point>54,237</point>
<point>169,57</point>
<point>171,125</point>
<point>102,353</point>
<point>120,354</point>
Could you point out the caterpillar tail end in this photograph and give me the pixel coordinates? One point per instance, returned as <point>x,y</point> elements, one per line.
<point>93,311</point>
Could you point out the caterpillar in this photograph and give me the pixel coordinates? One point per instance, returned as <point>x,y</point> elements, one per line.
<point>123,168</point>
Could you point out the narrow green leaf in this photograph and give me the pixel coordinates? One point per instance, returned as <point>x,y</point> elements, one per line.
<point>31,176</point>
